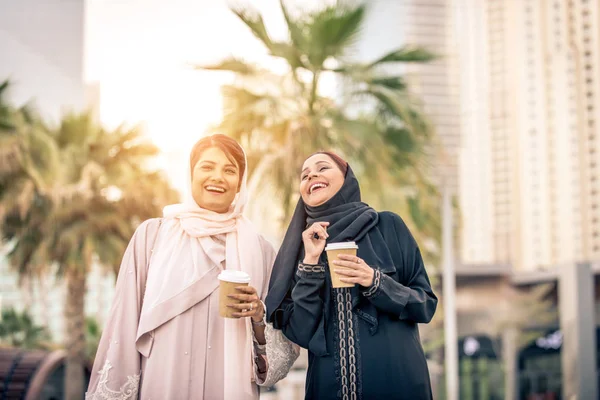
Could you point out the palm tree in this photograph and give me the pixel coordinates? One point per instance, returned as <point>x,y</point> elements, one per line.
<point>100,192</point>
<point>28,163</point>
<point>17,329</point>
<point>28,156</point>
<point>376,123</point>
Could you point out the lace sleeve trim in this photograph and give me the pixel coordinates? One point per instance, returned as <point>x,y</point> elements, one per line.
<point>129,390</point>
<point>281,355</point>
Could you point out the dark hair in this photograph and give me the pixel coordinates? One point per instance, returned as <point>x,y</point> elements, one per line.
<point>340,162</point>
<point>229,146</point>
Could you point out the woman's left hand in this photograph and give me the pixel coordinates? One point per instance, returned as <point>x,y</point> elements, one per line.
<point>356,271</point>
<point>250,304</point>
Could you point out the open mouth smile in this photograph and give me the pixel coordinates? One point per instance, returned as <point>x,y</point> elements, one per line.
<point>315,187</point>
<point>214,189</point>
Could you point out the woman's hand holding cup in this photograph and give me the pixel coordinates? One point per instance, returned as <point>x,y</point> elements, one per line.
<point>249,303</point>
<point>314,238</point>
<point>356,270</point>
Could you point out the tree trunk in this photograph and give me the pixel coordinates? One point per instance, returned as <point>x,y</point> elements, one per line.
<point>75,344</point>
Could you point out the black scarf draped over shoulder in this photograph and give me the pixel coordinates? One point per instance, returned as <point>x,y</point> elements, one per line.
<point>349,220</point>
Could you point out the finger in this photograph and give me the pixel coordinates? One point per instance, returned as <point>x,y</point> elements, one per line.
<point>347,264</point>
<point>246,289</point>
<point>351,280</point>
<point>243,314</point>
<point>242,306</point>
<point>318,227</point>
<point>318,230</point>
<point>315,235</point>
<point>346,272</point>
<point>348,257</point>
<point>246,298</point>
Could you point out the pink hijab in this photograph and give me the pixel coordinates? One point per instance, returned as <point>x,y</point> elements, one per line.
<point>183,271</point>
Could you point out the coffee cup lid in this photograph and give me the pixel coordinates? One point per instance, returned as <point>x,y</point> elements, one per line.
<point>341,245</point>
<point>234,276</point>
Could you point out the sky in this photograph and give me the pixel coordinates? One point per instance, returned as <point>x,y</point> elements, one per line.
<point>141,52</point>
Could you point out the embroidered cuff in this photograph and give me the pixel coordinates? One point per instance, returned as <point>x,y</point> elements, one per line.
<point>311,270</point>
<point>372,290</point>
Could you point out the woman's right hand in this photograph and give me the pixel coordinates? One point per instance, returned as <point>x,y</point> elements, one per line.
<point>313,247</point>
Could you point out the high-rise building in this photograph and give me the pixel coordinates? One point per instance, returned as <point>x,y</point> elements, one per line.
<point>514,100</point>
<point>530,71</point>
<point>42,53</point>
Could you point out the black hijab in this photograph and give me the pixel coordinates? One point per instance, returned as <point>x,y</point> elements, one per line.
<point>349,220</point>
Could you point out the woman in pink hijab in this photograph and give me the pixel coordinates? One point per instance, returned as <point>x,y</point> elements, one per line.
<point>164,338</point>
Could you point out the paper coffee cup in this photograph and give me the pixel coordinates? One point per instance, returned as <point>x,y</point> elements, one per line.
<point>228,281</point>
<point>333,251</point>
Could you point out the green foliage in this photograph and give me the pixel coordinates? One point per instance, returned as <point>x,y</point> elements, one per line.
<point>17,329</point>
<point>93,333</point>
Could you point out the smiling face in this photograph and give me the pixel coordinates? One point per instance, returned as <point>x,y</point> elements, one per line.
<point>215,180</point>
<point>320,179</point>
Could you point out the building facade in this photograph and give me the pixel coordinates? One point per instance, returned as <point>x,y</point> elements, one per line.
<point>534,84</point>
<point>514,98</point>
<point>42,52</point>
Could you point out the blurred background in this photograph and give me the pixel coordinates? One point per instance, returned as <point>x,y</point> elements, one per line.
<point>475,120</point>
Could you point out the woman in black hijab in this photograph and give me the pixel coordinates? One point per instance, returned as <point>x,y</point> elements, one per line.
<point>363,341</point>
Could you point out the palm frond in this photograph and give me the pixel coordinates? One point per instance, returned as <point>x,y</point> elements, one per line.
<point>230,64</point>
<point>6,111</point>
<point>390,82</point>
<point>11,156</point>
<point>296,28</point>
<point>253,20</point>
<point>407,54</point>
<point>332,31</point>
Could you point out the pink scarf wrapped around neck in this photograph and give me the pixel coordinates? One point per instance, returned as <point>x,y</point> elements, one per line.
<point>191,247</point>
